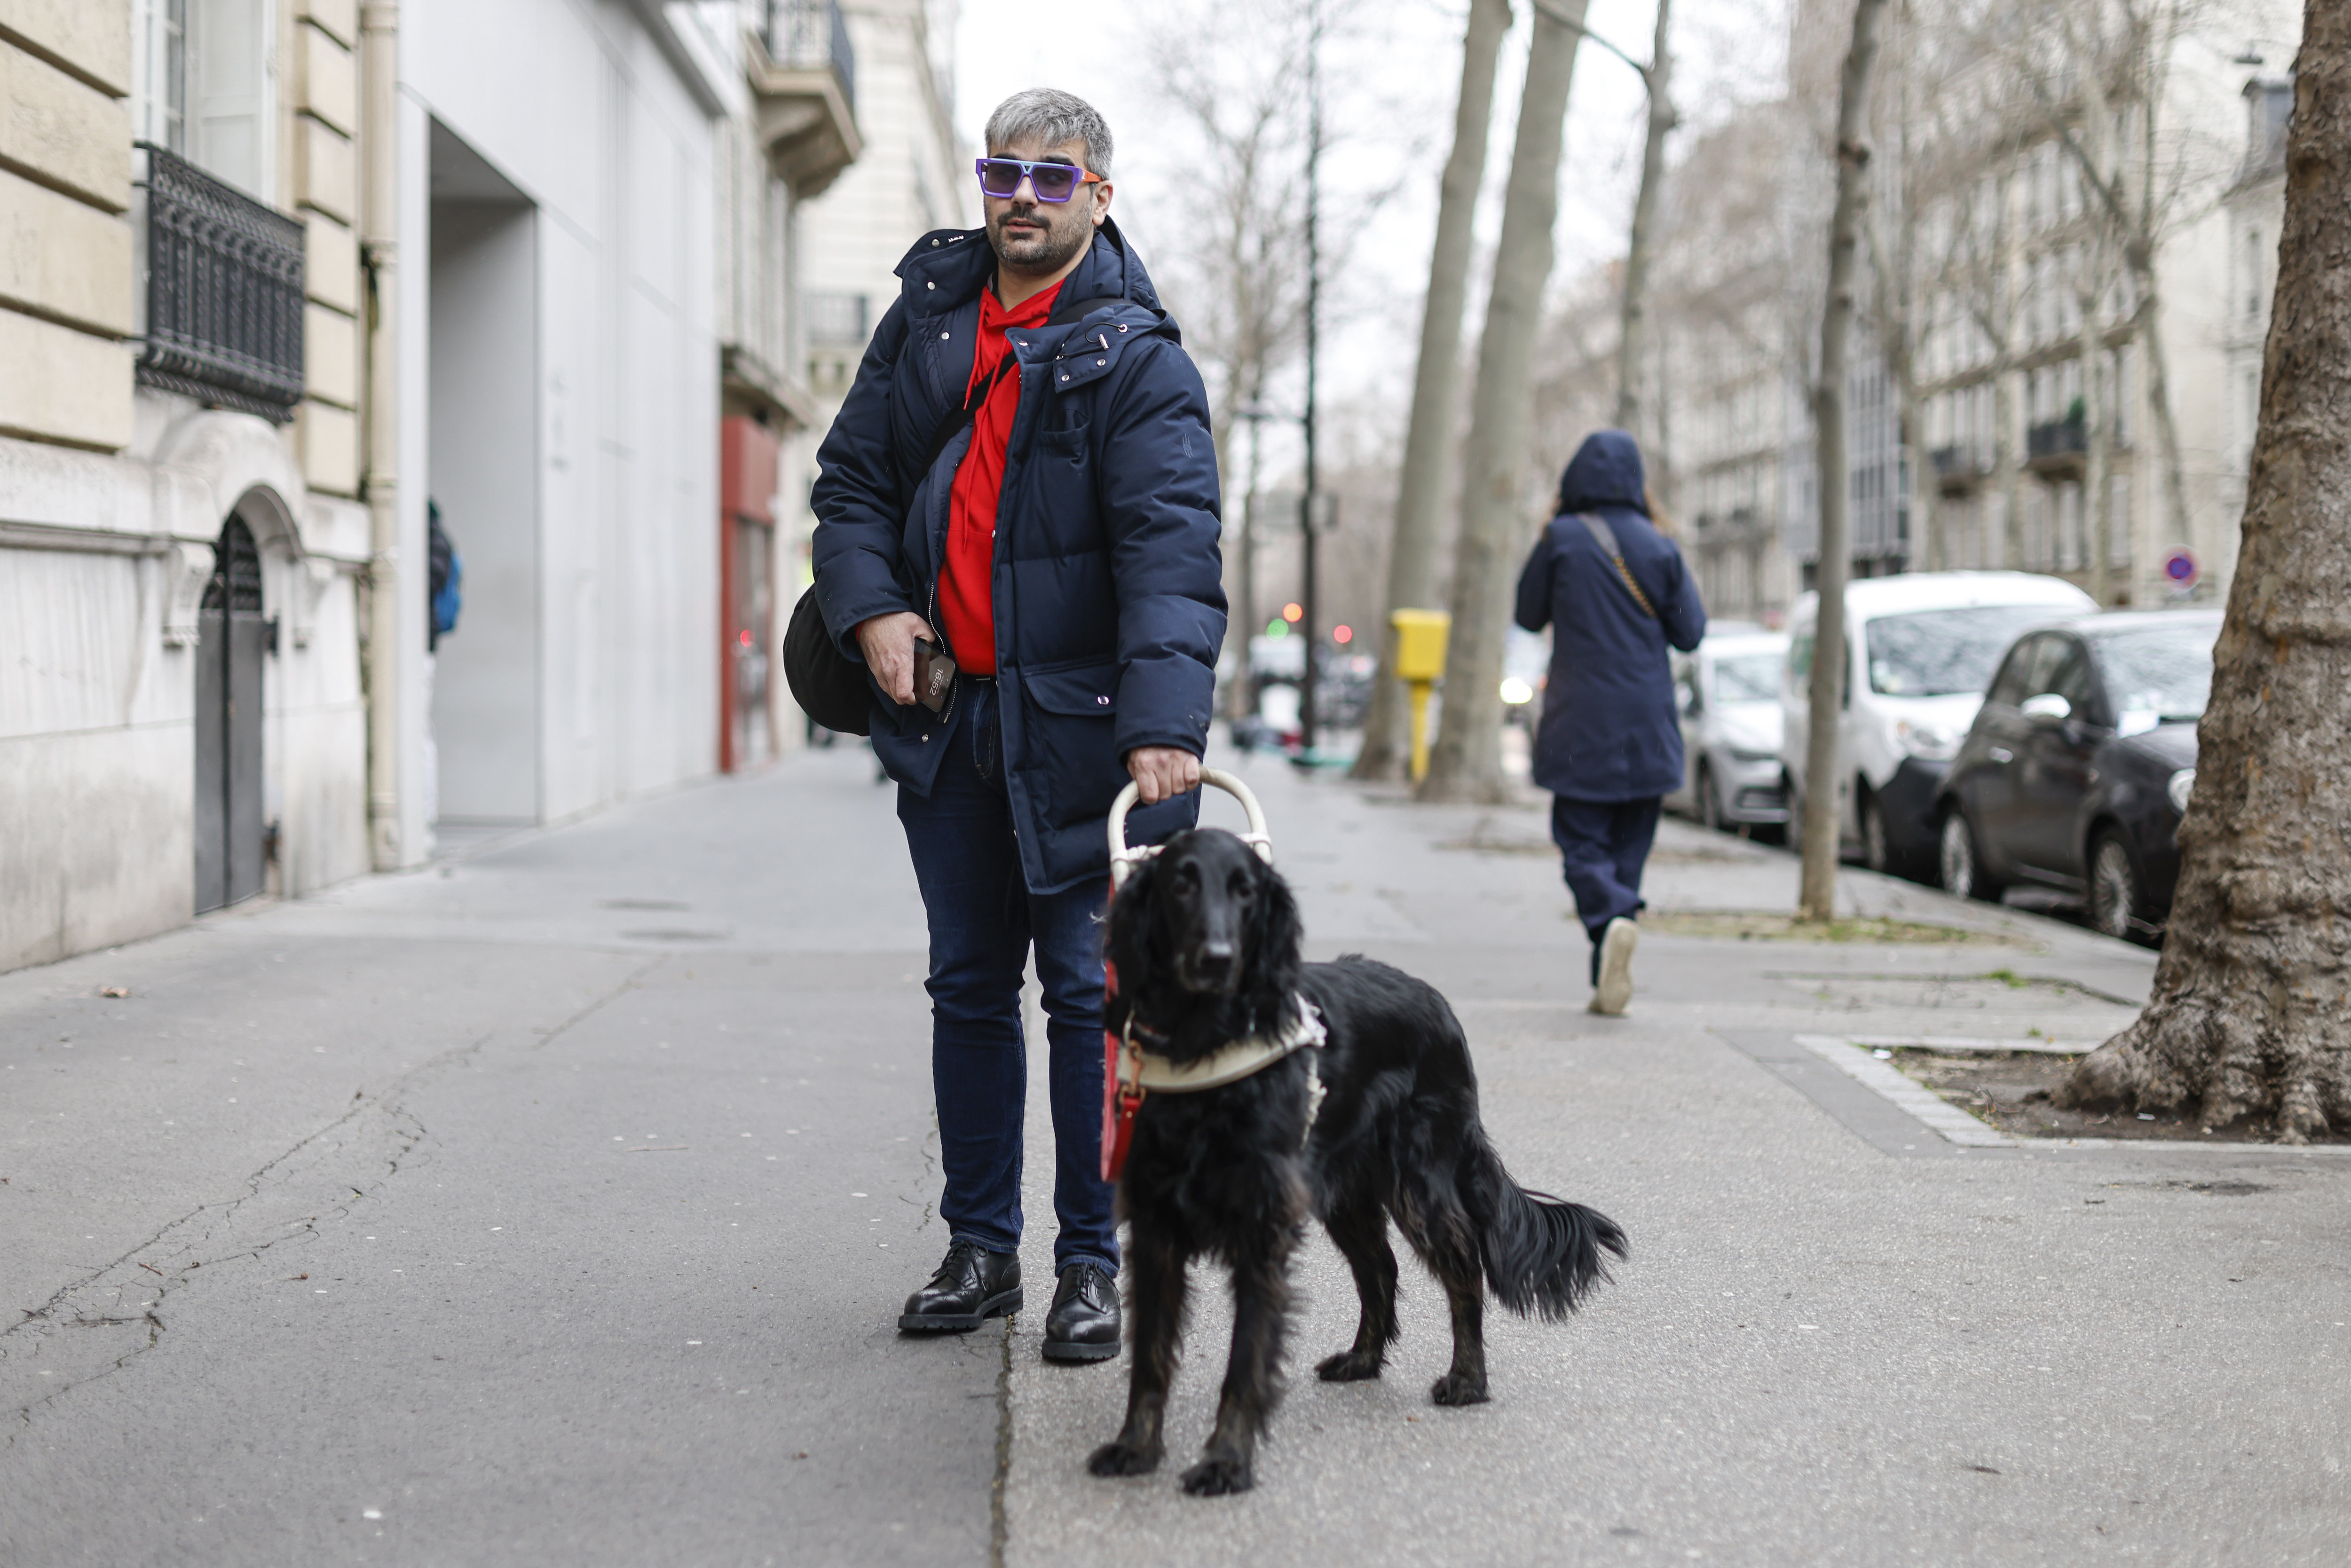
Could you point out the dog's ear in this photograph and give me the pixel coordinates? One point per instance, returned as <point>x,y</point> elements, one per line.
<point>1275,932</point>
<point>1134,942</point>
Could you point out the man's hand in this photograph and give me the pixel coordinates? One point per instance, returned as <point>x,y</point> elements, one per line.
<point>1164,772</point>
<point>888,644</point>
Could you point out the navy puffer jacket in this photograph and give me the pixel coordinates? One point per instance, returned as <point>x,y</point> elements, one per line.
<point>1610,730</point>
<point>1108,582</point>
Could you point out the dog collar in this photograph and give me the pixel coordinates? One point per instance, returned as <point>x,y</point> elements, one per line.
<point>1226,1063</point>
<point>1130,1072</point>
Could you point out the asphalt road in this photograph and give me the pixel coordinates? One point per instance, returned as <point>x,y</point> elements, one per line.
<point>554,1205</point>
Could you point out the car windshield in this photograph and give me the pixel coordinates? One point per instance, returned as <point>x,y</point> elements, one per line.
<point>2162,671</point>
<point>1940,652</point>
<point>1747,678</point>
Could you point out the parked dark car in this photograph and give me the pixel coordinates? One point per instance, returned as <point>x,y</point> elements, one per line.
<point>2078,766</point>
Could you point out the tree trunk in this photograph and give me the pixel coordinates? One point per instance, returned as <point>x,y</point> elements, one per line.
<point>1428,440</point>
<point>2251,1013</point>
<point>2135,233</point>
<point>1467,763</point>
<point>1890,273</point>
<point>2008,457</point>
<point>1632,335</point>
<point>2149,336</point>
<point>2096,444</point>
<point>1822,769</point>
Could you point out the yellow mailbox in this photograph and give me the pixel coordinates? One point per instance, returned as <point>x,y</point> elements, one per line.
<point>1419,661</point>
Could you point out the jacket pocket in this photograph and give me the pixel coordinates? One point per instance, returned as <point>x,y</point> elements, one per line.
<point>1072,754</point>
<point>1089,689</point>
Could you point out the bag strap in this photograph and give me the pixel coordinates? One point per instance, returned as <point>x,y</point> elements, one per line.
<point>975,398</point>
<point>1605,538</point>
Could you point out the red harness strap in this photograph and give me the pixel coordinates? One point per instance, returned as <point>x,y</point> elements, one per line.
<point>1120,1099</point>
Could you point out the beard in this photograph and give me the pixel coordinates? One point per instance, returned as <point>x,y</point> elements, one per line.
<point>1061,234</point>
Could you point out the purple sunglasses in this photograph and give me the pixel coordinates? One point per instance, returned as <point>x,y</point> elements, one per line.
<point>1052,181</point>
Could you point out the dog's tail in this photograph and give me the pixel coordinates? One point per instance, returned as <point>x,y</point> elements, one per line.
<point>1542,1254</point>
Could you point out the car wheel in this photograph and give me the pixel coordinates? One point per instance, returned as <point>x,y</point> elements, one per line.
<point>1709,804</point>
<point>2118,901</point>
<point>1876,853</point>
<point>1961,866</point>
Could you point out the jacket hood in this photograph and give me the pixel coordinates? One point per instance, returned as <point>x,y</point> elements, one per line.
<point>947,268</point>
<point>1606,472</point>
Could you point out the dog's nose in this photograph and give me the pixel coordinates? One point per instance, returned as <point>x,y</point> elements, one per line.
<point>1216,955</point>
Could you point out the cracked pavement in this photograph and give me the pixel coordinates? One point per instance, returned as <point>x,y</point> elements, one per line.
<point>554,1203</point>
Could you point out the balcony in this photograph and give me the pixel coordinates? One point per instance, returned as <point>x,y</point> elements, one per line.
<point>2054,447</point>
<point>224,297</point>
<point>1960,468</point>
<point>803,76</point>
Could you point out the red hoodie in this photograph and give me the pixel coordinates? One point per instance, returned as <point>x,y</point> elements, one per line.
<point>967,605</point>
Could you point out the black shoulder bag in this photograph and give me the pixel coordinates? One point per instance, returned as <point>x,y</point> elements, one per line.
<point>832,688</point>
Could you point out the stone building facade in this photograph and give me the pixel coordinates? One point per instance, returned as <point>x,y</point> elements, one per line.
<point>276,276</point>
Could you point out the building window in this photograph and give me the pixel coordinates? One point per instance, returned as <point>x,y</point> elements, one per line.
<point>837,319</point>
<point>2253,274</point>
<point>203,87</point>
<point>160,73</point>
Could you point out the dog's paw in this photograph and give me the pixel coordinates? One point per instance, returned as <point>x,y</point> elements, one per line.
<point>1120,1460</point>
<point>1458,1388</point>
<point>1219,1478</point>
<point>1347,1366</point>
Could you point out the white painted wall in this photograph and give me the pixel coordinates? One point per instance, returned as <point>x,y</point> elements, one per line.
<point>484,444</point>
<point>604,139</point>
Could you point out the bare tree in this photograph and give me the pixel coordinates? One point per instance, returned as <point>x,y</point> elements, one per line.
<point>1817,898</point>
<point>1961,160</point>
<point>2251,1009</point>
<point>1428,439</point>
<point>2070,72</point>
<point>1234,82</point>
<point>1466,763</point>
<point>1234,92</point>
<point>1633,336</point>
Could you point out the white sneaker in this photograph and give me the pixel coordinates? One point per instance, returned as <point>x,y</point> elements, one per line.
<point>1617,941</point>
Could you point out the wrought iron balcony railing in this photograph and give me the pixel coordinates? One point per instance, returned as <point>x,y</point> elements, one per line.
<point>2056,441</point>
<point>1960,467</point>
<point>809,34</point>
<point>224,292</point>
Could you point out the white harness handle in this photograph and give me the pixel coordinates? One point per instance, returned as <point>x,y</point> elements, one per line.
<point>1122,860</point>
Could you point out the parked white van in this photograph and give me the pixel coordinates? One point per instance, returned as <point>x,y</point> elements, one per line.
<point>1921,650</point>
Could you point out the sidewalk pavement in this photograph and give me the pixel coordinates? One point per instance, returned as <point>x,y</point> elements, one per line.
<point>555,1203</point>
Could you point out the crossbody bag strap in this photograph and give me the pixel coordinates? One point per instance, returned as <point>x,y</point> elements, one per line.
<point>1605,538</point>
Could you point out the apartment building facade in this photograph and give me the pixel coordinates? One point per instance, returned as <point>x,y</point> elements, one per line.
<point>1991,240</point>
<point>278,276</point>
<point>913,176</point>
<point>181,541</point>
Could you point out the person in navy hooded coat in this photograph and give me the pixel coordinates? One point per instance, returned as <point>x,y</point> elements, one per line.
<point>1024,465</point>
<point>1615,594</point>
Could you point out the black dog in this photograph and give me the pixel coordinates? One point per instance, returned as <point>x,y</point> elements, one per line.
<point>1204,940</point>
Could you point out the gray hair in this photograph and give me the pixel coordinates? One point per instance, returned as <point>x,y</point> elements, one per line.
<point>1052,117</point>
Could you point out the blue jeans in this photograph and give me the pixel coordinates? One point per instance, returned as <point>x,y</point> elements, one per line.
<point>1603,845</point>
<point>983,922</point>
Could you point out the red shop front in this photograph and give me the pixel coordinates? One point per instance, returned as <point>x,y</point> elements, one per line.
<point>747,451</point>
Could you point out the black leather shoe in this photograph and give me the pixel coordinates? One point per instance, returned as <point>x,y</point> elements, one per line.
<point>1083,1322</point>
<point>971,1286</point>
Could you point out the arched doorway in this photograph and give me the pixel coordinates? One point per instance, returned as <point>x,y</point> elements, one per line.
<point>233,640</point>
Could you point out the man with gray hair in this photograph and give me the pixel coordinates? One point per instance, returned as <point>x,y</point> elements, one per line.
<point>1016,534</point>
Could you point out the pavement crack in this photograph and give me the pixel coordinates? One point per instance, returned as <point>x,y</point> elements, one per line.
<point>321,1175</point>
<point>999,1524</point>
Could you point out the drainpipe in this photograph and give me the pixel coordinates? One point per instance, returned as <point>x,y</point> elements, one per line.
<point>380,483</point>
